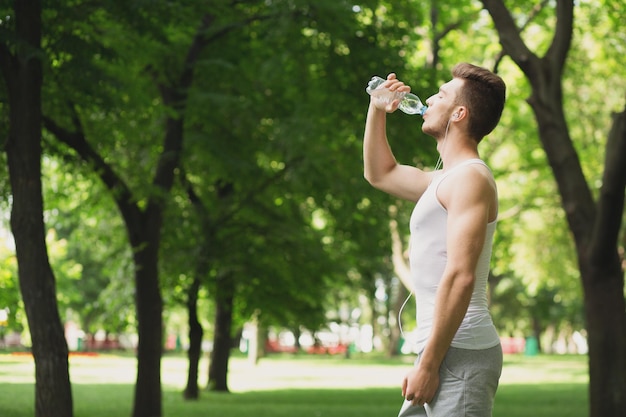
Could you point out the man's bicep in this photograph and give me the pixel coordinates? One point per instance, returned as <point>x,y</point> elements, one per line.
<point>467,224</point>
<point>406,182</point>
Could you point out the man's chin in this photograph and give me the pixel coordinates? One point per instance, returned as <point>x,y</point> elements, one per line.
<point>428,129</point>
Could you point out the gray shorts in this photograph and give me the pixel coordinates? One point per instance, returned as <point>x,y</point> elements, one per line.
<point>468,380</point>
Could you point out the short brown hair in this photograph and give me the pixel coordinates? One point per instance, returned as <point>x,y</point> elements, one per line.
<point>483,93</point>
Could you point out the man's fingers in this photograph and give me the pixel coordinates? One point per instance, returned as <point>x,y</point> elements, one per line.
<point>416,401</point>
<point>391,107</point>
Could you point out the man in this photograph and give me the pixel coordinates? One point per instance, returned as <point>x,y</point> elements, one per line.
<point>460,357</point>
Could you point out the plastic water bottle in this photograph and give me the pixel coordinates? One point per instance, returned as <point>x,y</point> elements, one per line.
<point>409,102</point>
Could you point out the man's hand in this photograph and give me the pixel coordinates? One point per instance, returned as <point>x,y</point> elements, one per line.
<point>393,85</point>
<point>420,385</point>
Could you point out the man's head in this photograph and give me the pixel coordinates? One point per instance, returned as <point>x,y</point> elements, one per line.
<point>483,94</point>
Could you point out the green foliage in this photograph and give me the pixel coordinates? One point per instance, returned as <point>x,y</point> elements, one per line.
<point>88,251</point>
<point>9,289</point>
<point>534,250</point>
<point>273,127</point>
<point>269,132</point>
<point>280,134</point>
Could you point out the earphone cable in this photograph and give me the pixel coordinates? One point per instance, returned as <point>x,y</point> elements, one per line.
<point>400,314</point>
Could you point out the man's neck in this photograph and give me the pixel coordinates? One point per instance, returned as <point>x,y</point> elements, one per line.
<point>453,151</point>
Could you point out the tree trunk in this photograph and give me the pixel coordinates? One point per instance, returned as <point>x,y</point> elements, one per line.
<point>149,306</point>
<point>604,308</point>
<point>537,330</point>
<point>144,229</point>
<point>255,343</point>
<point>595,227</point>
<point>23,76</point>
<point>222,341</point>
<point>202,267</point>
<point>602,275</point>
<point>144,226</point>
<point>603,282</point>
<point>195,342</point>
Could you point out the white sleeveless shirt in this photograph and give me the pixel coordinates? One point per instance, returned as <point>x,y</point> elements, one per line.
<point>428,258</point>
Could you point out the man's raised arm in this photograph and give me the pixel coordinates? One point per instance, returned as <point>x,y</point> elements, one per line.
<point>380,167</point>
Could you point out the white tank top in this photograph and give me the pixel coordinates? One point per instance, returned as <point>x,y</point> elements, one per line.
<point>428,256</point>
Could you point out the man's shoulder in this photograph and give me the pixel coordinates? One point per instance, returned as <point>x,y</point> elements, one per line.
<point>472,174</point>
<point>471,182</point>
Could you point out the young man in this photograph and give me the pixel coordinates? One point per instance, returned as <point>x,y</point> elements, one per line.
<point>460,360</point>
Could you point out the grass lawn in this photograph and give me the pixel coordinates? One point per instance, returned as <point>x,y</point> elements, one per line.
<point>285,386</point>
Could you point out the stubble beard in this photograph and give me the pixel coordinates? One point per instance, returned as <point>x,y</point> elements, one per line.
<point>437,131</point>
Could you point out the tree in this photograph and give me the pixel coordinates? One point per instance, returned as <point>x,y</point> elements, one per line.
<point>269,160</point>
<point>21,65</point>
<point>143,219</point>
<point>595,223</point>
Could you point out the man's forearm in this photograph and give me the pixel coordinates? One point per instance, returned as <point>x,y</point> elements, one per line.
<point>378,158</point>
<point>451,305</point>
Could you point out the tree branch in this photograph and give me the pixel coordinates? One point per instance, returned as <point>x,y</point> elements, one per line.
<point>7,67</point>
<point>76,141</point>
<point>510,38</point>
<point>563,33</point>
<point>533,13</point>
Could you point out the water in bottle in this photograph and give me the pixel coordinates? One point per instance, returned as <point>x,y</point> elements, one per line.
<point>409,102</point>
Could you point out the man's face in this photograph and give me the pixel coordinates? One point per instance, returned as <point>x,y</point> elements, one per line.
<point>440,108</point>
